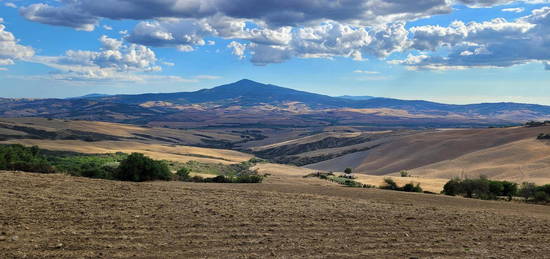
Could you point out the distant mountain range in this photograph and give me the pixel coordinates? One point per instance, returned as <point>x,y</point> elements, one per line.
<point>264,105</point>
<point>357,98</point>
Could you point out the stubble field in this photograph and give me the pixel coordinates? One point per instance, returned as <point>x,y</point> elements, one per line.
<point>286,216</point>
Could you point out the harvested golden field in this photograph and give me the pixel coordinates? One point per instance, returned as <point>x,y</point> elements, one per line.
<point>60,216</point>
<point>157,151</point>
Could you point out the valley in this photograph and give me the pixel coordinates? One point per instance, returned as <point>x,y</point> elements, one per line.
<point>430,156</point>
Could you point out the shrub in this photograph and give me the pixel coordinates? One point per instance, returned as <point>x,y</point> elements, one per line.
<point>481,188</point>
<point>389,184</point>
<point>183,174</point>
<point>138,168</point>
<point>410,187</point>
<point>348,171</point>
<point>453,187</point>
<point>541,196</point>
<point>527,190</point>
<point>404,174</point>
<point>251,178</point>
<point>21,158</point>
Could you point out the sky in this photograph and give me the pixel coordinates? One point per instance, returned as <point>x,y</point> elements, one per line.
<point>452,51</point>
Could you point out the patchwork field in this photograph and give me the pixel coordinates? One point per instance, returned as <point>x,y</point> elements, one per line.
<point>59,216</point>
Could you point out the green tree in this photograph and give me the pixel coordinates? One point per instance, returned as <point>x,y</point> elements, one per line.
<point>348,171</point>
<point>138,168</point>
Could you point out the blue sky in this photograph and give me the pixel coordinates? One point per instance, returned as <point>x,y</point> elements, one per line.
<point>464,51</point>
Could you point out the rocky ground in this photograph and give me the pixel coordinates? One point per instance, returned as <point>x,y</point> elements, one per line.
<point>62,216</point>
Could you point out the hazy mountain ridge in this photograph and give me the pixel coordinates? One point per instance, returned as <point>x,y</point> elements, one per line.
<point>249,102</point>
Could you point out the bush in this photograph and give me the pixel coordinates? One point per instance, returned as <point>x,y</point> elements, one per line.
<point>21,158</point>
<point>348,171</point>
<point>410,187</point>
<point>527,190</point>
<point>138,168</point>
<point>183,174</point>
<point>389,185</point>
<point>404,174</point>
<point>453,187</point>
<point>541,196</point>
<point>481,188</point>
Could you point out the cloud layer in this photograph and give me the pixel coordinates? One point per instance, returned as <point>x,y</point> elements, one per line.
<point>274,31</point>
<point>10,49</point>
<point>495,43</point>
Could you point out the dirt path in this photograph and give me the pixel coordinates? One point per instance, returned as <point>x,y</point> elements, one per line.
<point>63,216</point>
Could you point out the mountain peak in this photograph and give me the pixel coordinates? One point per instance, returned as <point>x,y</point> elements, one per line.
<point>244,80</point>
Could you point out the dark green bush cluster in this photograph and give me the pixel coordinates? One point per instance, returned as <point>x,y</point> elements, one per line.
<point>225,179</point>
<point>543,136</point>
<point>390,184</point>
<point>139,168</point>
<point>21,158</point>
<point>343,180</point>
<point>532,192</point>
<point>481,188</point>
<point>537,123</point>
<point>119,166</point>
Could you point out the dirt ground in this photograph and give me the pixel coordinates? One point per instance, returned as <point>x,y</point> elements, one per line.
<point>286,216</point>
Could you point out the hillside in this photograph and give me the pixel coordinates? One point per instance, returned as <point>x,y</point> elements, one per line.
<point>247,104</point>
<point>102,137</point>
<point>519,161</point>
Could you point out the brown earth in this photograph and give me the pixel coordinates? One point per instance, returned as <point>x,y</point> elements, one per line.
<point>60,216</point>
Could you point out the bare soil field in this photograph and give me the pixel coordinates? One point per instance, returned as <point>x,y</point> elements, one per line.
<point>60,216</point>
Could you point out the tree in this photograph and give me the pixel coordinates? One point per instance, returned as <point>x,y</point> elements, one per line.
<point>348,171</point>
<point>509,189</point>
<point>453,187</point>
<point>527,190</point>
<point>138,168</point>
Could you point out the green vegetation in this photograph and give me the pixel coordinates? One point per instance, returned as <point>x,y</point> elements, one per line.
<point>348,171</point>
<point>533,193</point>
<point>139,168</point>
<point>20,158</point>
<point>390,184</point>
<point>537,123</point>
<point>101,166</point>
<point>339,179</point>
<point>233,173</point>
<point>543,136</point>
<point>217,169</point>
<point>120,166</point>
<point>481,188</point>
<point>404,174</point>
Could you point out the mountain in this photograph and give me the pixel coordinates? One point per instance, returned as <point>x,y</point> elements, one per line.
<point>252,104</point>
<point>357,98</point>
<point>89,96</point>
<point>243,93</point>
